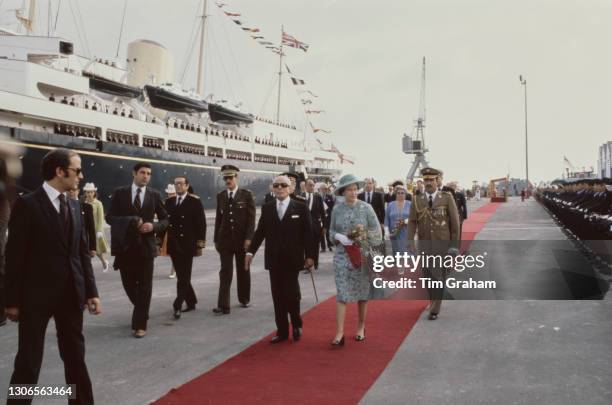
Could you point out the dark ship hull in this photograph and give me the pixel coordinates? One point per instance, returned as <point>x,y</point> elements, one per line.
<point>167,100</point>
<point>109,165</point>
<point>219,113</point>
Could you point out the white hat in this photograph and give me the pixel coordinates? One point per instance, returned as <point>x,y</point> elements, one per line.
<point>90,187</point>
<point>170,189</point>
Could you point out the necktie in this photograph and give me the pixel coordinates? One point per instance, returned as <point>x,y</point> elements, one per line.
<point>63,212</point>
<point>231,197</point>
<point>178,201</point>
<point>309,199</point>
<point>369,198</point>
<point>430,202</point>
<point>280,210</point>
<point>137,202</point>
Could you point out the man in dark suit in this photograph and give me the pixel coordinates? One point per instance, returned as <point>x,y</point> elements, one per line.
<point>133,240</point>
<point>186,239</point>
<point>287,229</point>
<point>314,202</point>
<point>49,274</point>
<point>234,227</point>
<point>460,201</point>
<point>375,199</point>
<point>328,199</point>
<point>269,195</point>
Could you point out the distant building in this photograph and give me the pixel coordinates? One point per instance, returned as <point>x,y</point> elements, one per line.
<point>604,162</point>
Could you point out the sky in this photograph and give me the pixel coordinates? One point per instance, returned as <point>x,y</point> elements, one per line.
<point>364,63</point>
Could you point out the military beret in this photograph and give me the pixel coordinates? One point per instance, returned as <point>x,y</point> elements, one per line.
<point>229,170</point>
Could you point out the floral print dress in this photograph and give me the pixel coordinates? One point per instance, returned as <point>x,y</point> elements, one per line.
<point>353,284</point>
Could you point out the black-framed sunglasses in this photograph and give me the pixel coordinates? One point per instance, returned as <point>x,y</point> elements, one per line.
<point>280,185</point>
<point>76,171</point>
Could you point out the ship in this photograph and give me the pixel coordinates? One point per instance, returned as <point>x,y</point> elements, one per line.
<point>115,116</point>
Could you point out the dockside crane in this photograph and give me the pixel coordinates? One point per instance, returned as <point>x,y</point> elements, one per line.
<point>414,144</point>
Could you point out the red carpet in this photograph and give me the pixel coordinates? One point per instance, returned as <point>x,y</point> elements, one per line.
<point>310,371</point>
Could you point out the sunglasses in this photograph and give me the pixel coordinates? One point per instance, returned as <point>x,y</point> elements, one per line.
<point>77,171</point>
<point>280,185</point>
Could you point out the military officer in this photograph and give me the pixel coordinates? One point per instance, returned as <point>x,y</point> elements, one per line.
<point>294,194</point>
<point>434,218</point>
<point>234,227</point>
<point>186,239</point>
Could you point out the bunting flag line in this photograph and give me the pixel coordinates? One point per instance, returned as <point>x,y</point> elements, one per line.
<point>305,102</point>
<point>315,130</point>
<point>297,82</point>
<point>293,42</point>
<point>314,111</point>
<point>227,13</point>
<point>309,92</point>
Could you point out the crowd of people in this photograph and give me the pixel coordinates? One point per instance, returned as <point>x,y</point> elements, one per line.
<point>584,207</point>
<point>299,220</point>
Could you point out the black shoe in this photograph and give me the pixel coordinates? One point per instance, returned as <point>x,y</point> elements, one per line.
<point>360,338</point>
<point>189,308</point>
<point>297,334</point>
<point>432,316</point>
<point>2,321</point>
<point>221,311</point>
<point>338,343</point>
<point>278,339</point>
<point>177,314</point>
<point>245,305</point>
<point>330,249</point>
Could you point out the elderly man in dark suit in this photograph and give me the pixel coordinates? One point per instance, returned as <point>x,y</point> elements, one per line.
<point>49,274</point>
<point>133,240</point>
<point>286,226</point>
<point>234,227</point>
<point>375,199</point>
<point>186,239</point>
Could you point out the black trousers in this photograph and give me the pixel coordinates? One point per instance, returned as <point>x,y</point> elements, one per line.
<point>227,254</point>
<point>184,290</point>
<point>33,321</point>
<point>286,296</point>
<point>137,279</point>
<point>325,239</point>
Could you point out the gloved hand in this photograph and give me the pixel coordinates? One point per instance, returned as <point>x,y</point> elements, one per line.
<point>343,239</point>
<point>99,234</point>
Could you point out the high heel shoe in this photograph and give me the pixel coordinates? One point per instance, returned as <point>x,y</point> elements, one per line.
<point>360,338</point>
<point>338,343</point>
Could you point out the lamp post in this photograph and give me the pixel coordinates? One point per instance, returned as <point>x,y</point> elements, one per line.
<point>524,83</point>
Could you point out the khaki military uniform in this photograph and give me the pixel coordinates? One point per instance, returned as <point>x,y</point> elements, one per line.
<point>438,230</point>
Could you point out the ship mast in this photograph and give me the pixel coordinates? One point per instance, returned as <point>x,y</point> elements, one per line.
<point>200,85</point>
<point>280,75</point>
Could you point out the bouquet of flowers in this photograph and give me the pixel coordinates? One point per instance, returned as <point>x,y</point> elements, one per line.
<point>358,235</point>
<point>399,225</point>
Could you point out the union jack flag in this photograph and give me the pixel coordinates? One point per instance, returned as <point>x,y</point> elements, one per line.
<point>293,42</point>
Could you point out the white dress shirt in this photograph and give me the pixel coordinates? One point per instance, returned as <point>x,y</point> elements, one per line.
<point>232,191</point>
<point>53,195</point>
<point>281,207</point>
<point>309,198</point>
<point>180,198</point>
<point>432,195</point>
<point>142,193</point>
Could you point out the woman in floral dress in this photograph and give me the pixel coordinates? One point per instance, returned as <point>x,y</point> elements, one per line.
<point>352,284</point>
